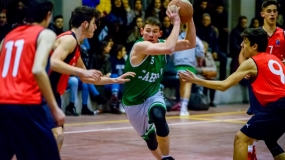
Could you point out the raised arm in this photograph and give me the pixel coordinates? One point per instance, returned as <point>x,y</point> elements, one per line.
<point>149,48</point>
<point>246,68</point>
<point>190,39</point>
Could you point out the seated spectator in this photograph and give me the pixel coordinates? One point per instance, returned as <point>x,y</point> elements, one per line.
<point>155,9</point>
<point>134,34</point>
<point>166,27</point>
<point>57,25</point>
<point>16,14</point>
<point>73,88</point>
<point>254,23</point>
<point>130,13</point>
<point>208,69</point>
<point>139,12</point>
<point>5,28</point>
<point>118,53</point>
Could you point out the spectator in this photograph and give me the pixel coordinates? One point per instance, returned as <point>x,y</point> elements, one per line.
<point>200,9</point>
<point>235,41</point>
<point>220,21</point>
<point>134,34</point>
<point>16,14</point>
<point>130,13</point>
<point>208,33</point>
<point>5,28</point>
<point>155,9</point>
<point>255,23</point>
<point>118,53</point>
<point>139,12</point>
<point>166,27</point>
<point>57,25</point>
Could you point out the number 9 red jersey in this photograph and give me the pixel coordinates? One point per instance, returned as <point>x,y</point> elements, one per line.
<point>17,83</point>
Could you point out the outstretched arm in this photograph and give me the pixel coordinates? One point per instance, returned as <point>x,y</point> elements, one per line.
<point>246,68</point>
<point>106,80</point>
<point>190,39</point>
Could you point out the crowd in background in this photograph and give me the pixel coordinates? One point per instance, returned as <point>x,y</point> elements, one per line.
<point>119,28</point>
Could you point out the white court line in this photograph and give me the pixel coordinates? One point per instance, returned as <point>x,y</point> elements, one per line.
<point>171,124</point>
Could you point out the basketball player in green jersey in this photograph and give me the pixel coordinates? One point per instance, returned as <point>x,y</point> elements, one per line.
<point>142,99</point>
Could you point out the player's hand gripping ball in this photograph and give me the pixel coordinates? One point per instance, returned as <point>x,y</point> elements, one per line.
<point>185,11</point>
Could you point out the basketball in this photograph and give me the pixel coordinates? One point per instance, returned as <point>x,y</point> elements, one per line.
<point>185,11</point>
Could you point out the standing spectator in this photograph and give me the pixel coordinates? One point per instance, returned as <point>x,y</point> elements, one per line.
<point>220,21</point>
<point>155,9</point>
<point>57,25</point>
<point>130,13</point>
<point>187,59</point>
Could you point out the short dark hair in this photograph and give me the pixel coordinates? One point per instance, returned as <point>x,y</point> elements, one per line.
<point>115,49</point>
<point>152,21</point>
<point>267,3</point>
<point>256,36</point>
<point>36,10</point>
<point>57,17</point>
<point>81,14</point>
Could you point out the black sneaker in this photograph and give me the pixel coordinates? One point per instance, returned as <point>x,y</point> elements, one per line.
<point>168,158</point>
<point>71,111</point>
<point>86,111</point>
<point>114,101</point>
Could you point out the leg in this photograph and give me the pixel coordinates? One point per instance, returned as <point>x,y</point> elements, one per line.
<point>85,94</point>
<point>115,91</point>
<point>185,92</point>
<point>157,115</point>
<point>212,97</point>
<point>35,140</point>
<point>240,146</point>
<point>153,145</point>
<point>275,149</point>
<point>6,150</point>
<point>73,87</point>
<point>59,136</point>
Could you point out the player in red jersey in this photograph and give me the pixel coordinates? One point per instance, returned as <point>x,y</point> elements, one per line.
<point>25,88</point>
<point>276,46</point>
<point>65,59</point>
<point>268,71</point>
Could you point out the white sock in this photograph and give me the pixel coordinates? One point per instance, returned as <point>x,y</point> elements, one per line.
<point>254,143</point>
<point>184,104</point>
<point>250,148</point>
<point>165,156</point>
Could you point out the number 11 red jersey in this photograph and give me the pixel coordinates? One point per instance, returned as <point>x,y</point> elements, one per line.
<point>17,83</point>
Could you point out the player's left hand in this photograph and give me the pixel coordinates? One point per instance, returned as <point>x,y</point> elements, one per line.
<point>124,77</point>
<point>188,76</point>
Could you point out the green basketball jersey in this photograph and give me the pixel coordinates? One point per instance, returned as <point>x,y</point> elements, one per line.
<point>147,80</point>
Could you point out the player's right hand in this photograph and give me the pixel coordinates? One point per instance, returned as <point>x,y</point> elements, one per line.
<point>173,14</point>
<point>58,116</point>
<point>93,73</point>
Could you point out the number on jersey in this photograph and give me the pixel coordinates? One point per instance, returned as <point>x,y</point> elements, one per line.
<point>9,50</point>
<point>278,72</point>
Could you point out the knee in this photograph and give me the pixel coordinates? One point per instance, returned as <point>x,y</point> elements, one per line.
<point>151,141</point>
<point>241,138</point>
<point>157,115</point>
<point>73,81</point>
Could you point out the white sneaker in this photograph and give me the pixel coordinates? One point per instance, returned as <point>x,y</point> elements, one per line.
<point>121,108</point>
<point>184,113</point>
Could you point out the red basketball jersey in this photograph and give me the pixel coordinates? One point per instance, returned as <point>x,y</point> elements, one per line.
<point>59,81</point>
<point>276,43</point>
<point>269,84</point>
<point>17,82</point>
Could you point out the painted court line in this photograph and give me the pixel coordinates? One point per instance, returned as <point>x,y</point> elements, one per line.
<point>170,124</point>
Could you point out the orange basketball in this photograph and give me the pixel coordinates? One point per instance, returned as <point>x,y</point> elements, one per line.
<point>185,11</point>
